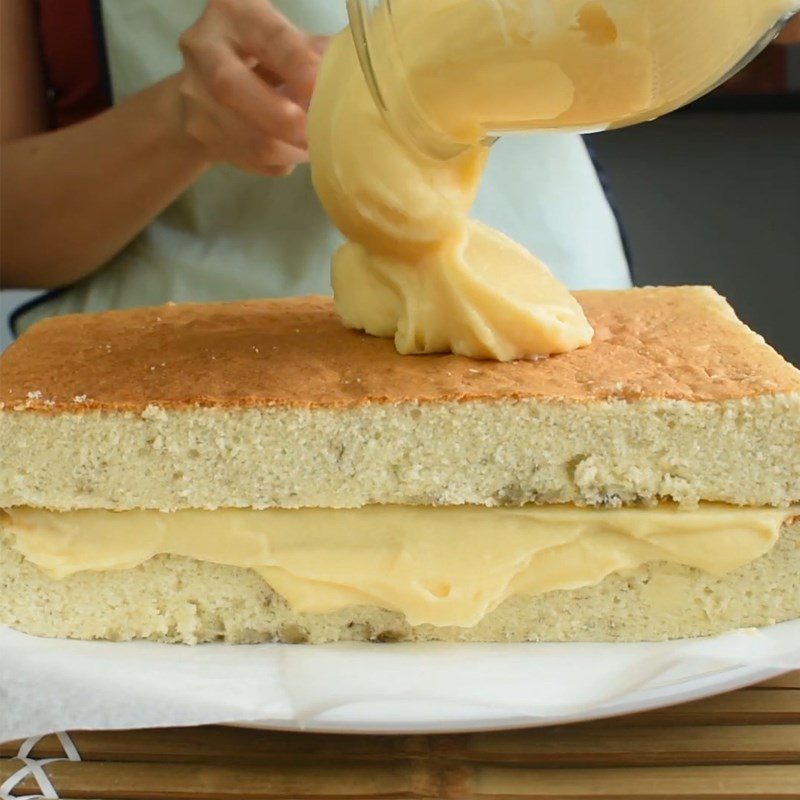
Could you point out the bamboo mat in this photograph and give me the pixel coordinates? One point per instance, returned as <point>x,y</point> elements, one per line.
<point>742,744</point>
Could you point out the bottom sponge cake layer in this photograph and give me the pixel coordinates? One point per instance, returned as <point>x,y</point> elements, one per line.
<point>179,599</point>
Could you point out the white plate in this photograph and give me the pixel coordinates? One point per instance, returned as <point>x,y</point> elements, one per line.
<point>410,718</point>
<point>50,684</point>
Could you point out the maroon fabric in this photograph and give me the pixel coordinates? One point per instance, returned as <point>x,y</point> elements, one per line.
<point>74,60</point>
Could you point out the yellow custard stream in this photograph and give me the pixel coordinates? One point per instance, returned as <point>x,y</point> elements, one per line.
<point>416,268</point>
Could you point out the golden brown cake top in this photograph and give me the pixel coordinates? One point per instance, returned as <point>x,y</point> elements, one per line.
<point>682,343</point>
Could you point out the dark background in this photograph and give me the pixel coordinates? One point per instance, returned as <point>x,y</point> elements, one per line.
<point>714,198</point>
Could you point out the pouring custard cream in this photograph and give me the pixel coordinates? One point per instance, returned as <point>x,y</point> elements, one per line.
<point>416,268</point>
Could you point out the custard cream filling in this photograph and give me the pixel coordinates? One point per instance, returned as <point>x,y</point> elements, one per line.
<point>415,268</point>
<point>437,565</point>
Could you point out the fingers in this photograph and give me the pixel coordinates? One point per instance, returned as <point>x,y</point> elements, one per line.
<point>247,81</point>
<point>280,47</point>
<point>320,43</point>
<point>235,87</point>
<point>230,137</point>
<point>255,29</point>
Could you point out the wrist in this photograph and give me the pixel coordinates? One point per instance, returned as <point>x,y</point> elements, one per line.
<point>173,130</point>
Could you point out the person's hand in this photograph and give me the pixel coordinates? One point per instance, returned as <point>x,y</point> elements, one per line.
<point>246,84</point>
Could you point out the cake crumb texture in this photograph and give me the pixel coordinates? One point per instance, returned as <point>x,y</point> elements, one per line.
<point>744,452</point>
<point>275,404</point>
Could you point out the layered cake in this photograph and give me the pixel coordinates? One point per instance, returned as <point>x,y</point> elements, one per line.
<point>255,471</point>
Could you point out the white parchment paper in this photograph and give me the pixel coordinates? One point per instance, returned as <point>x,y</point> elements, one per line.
<point>48,685</point>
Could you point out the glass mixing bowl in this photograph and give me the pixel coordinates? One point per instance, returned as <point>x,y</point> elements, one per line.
<point>447,74</point>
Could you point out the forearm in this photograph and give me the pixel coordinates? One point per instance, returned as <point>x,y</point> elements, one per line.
<point>73,198</point>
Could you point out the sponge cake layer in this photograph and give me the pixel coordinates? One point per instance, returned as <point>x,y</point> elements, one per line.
<point>275,404</point>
